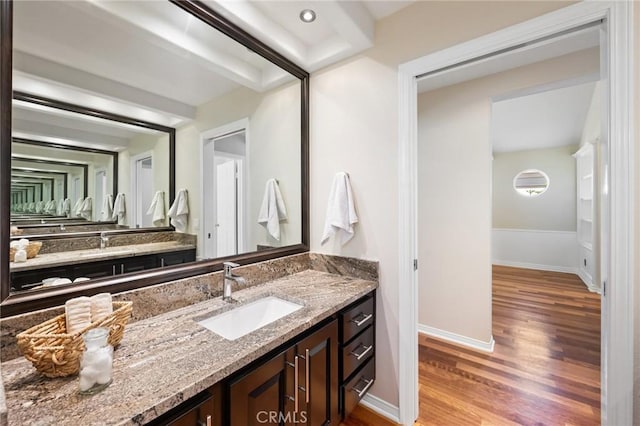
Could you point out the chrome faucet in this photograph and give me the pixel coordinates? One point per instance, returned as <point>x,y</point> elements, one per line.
<point>104,240</point>
<point>229,279</point>
<point>62,228</point>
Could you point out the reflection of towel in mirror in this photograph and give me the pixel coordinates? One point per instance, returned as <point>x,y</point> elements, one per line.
<point>107,208</point>
<point>86,208</point>
<point>179,211</point>
<point>341,212</point>
<point>66,207</point>
<point>40,207</point>
<point>77,206</point>
<point>157,209</point>
<point>272,210</point>
<point>50,207</point>
<point>119,208</point>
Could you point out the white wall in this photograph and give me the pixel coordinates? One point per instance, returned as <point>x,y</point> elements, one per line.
<point>553,210</point>
<point>274,152</point>
<point>535,249</point>
<point>158,145</point>
<point>354,128</point>
<point>455,193</point>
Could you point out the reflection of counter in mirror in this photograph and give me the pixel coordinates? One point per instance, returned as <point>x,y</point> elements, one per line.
<point>200,112</point>
<point>113,252</point>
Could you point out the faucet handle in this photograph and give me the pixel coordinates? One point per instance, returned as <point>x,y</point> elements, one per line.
<point>228,266</point>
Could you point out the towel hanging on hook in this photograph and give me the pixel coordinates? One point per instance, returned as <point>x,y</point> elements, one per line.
<point>341,212</point>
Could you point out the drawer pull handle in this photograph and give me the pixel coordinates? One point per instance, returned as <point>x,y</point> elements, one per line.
<point>208,422</point>
<point>296,383</point>
<point>359,356</point>
<point>360,393</point>
<point>359,323</point>
<point>307,374</point>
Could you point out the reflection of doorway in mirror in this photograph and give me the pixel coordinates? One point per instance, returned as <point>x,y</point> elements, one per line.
<point>142,190</point>
<point>100,193</point>
<point>76,193</point>
<point>224,195</point>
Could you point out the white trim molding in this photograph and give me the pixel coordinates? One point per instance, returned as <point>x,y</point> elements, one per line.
<point>618,254</point>
<point>381,407</point>
<point>457,339</point>
<point>537,267</point>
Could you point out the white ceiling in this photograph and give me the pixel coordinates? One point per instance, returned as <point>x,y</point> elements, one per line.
<point>153,61</point>
<point>552,118</point>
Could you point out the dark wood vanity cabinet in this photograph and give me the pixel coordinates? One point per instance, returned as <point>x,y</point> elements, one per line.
<point>297,386</point>
<point>101,269</point>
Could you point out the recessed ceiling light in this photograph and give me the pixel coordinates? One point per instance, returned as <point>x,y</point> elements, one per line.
<point>307,15</point>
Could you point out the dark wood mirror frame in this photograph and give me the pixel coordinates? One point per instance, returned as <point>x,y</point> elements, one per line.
<point>16,303</point>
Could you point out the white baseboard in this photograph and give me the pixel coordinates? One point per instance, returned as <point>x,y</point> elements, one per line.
<point>551,268</point>
<point>457,338</point>
<point>381,407</point>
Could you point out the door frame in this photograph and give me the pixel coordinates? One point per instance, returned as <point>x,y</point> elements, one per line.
<point>216,132</point>
<point>617,319</point>
<point>133,160</point>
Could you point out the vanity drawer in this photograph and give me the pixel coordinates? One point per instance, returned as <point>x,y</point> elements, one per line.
<point>357,318</point>
<point>357,352</point>
<point>352,392</point>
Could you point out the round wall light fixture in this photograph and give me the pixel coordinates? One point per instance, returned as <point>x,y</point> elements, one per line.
<point>307,15</point>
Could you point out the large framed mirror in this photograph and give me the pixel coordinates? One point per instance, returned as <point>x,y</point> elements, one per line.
<point>143,142</point>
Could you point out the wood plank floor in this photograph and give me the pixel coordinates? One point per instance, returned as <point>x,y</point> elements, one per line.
<point>545,369</point>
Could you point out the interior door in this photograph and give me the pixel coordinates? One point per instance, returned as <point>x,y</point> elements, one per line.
<point>226,207</point>
<point>144,192</point>
<point>100,193</point>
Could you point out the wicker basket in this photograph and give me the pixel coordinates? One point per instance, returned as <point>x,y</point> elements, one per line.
<point>57,354</point>
<point>32,250</point>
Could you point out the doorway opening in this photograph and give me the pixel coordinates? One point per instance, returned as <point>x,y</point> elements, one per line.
<point>224,190</point>
<point>100,194</point>
<point>142,189</point>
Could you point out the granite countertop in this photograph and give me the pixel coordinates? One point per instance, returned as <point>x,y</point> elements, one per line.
<point>169,358</point>
<point>92,255</point>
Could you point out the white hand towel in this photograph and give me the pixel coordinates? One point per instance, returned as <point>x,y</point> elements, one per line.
<point>66,207</point>
<point>272,211</point>
<point>119,207</point>
<point>86,208</point>
<point>77,206</point>
<point>101,306</point>
<point>341,212</point>
<point>39,206</point>
<point>78,314</point>
<point>107,208</point>
<point>157,209</point>
<point>179,211</point>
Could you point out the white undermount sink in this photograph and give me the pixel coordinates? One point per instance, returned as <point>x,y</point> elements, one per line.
<point>249,317</point>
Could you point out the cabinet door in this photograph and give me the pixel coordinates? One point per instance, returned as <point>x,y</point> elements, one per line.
<point>318,376</point>
<point>258,397</point>
<point>176,258</point>
<point>95,269</point>
<point>137,263</point>
<point>200,415</point>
